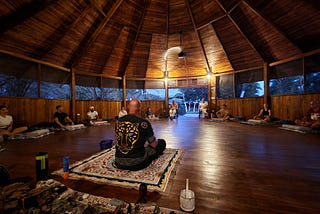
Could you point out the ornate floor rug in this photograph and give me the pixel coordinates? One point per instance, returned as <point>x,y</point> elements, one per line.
<point>100,168</point>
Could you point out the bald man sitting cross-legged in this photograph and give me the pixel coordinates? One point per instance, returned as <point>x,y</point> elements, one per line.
<point>136,145</point>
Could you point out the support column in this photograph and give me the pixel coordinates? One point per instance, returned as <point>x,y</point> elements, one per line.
<point>124,91</point>
<point>213,89</point>
<point>166,103</point>
<point>73,94</point>
<point>209,94</point>
<point>266,80</point>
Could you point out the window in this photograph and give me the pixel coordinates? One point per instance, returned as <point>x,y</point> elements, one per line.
<point>111,89</point>
<point>249,84</point>
<point>88,88</point>
<point>55,83</point>
<point>312,71</point>
<point>286,78</point>
<point>225,86</point>
<point>18,78</point>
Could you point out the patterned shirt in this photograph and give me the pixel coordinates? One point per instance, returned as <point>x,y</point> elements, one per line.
<point>132,132</point>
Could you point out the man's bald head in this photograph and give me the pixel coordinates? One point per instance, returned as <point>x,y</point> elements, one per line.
<point>134,106</point>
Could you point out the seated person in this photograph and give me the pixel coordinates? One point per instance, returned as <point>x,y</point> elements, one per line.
<point>173,109</point>
<point>203,108</point>
<point>150,115</point>
<point>61,119</point>
<point>312,118</point>
<point>224,113</point>
<point>92,115</point>
<point>264,114</point>
<point>136,145</point>
<point>6,123</point>
<point>122,112</point>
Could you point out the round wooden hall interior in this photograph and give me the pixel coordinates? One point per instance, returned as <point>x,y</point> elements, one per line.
<point>82,53</point>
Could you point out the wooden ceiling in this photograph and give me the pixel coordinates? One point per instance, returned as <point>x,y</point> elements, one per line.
<point>131,37</point>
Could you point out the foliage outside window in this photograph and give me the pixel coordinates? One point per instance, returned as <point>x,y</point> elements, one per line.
<point>225,88</point>
<point>187,97</point>
<point>55,83</point>
<point>249,84</point>
<point>88,88</point>
<point>286,78</point>
<point>312,70</point>
<point>145,90</point>
<point>111,89</point>
<point>18,78</point>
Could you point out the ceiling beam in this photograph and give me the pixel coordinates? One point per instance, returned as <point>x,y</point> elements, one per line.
<point>83,48</point>
<point>59,34</point>
<point>267,20</point>
<point>95,6</point>
<point>212,21</point>
<point>240,31</point>
<point>223,48</point>
<point>198,36</point>
<point>23,13</point>
<point>124,64</point>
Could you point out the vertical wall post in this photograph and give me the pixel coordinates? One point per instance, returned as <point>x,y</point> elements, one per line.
<point>124,91</point>
<point>266,81</point>
<point>73,94</point>
<point>166,103</point>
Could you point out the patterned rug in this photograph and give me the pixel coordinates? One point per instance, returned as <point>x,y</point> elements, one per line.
<point>100,168</point>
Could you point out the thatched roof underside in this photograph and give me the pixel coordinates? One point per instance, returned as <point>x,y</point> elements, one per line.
<point>132,37</point>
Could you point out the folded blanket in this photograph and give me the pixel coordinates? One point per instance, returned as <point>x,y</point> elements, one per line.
<point>74,127</point>
<point>300,129</point>
<point>32,135</point>
<point>217,120</point>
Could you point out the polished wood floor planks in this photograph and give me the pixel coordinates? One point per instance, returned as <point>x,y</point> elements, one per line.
<point>232,168</point>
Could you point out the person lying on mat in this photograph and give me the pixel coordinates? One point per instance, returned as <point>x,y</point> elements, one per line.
<point>6,123</point>
<point>312,118</point>
<point>61,119</point>
<point>223,113</point>
<point>136,145</point>
<point>264,114</point>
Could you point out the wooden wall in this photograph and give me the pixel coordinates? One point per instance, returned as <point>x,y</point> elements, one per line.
<point>283,107</point>
<point>33,111</point>
<point>106,109</point>
<point>247,107</point>
<point>157,107</point>
<point>292,106</point>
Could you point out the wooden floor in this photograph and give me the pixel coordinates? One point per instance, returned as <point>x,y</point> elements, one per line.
<point>232,168</point>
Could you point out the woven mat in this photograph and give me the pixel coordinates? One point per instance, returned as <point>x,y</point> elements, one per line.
<point>99,168</point>
<point>299,129</point>
<point>32,135</point>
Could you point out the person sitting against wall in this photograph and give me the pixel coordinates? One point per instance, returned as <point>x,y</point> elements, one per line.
<point>136,145</point>
<point>122,112</point>
<point>61,119</point>
<point>203,108</point>
<point>92,115</point>
<point>150,115</point>
<point>224,113</point>
<point>312,118</point>
<point>264,114</point>
<point>173,109</point>
<point>6,123</point>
